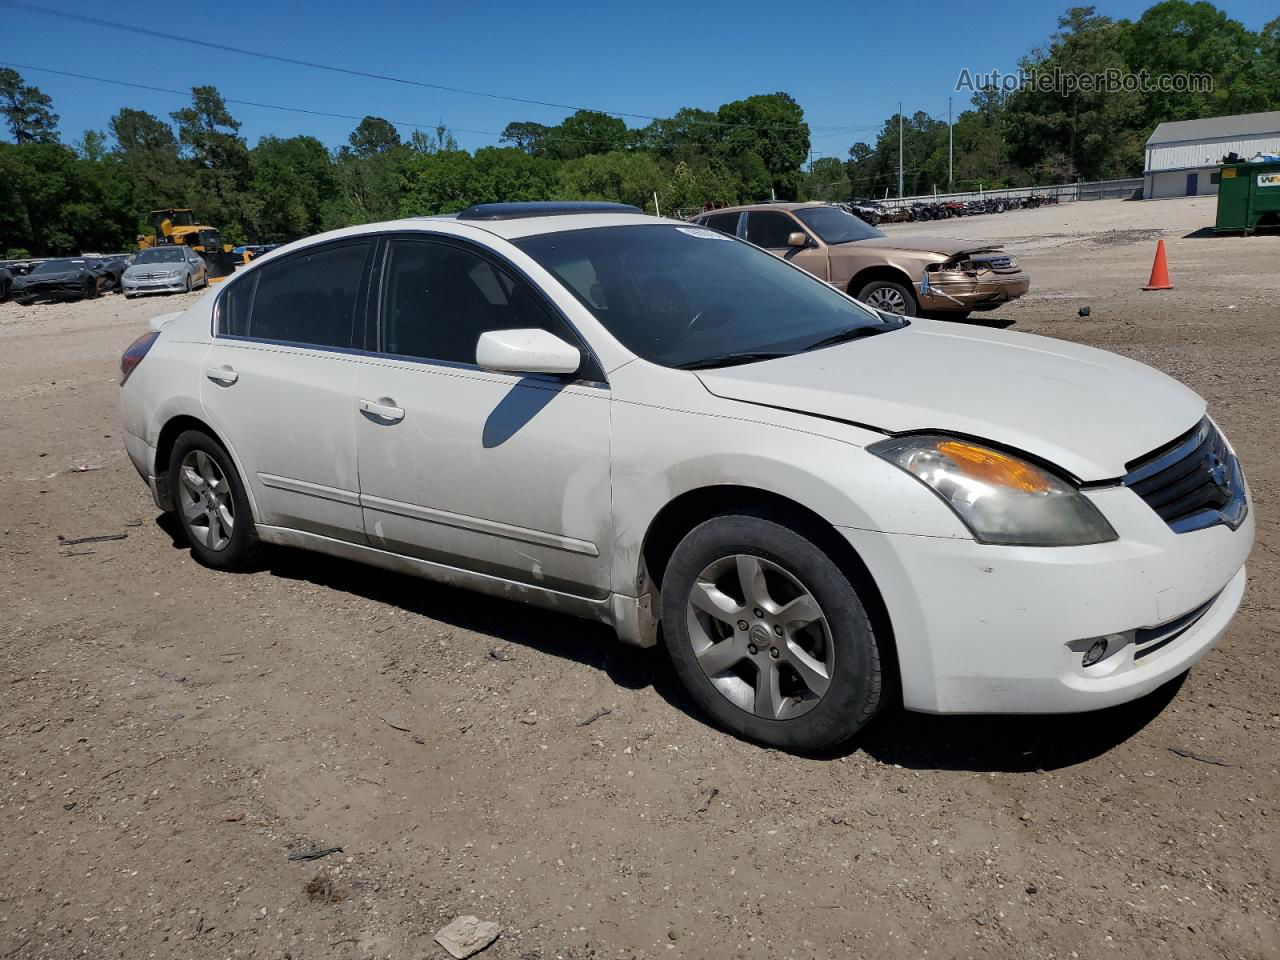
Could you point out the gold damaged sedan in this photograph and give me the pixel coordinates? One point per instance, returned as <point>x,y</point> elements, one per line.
<point>903,275</point>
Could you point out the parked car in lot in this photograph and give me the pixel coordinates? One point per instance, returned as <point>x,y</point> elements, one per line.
<point>642,422</point>
<point>165,269</point>
<point>903,275</point>
<point>69,278</point>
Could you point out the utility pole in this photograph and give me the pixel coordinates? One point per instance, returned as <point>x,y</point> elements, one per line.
<point>899,149</point>
<point>951,149</point>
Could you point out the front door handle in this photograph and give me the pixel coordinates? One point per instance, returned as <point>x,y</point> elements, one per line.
<point>384,409</point>
<point>223,376</point>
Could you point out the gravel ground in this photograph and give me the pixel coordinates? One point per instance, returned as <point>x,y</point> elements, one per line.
<point>170,734</point>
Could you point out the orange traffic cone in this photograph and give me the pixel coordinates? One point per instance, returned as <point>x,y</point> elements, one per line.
<point>1159,271</point>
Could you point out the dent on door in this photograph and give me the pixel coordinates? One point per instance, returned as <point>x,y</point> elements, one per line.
<point>502,475</point>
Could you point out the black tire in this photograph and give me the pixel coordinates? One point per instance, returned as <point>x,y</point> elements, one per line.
<point>5,286</point>
<point>243,543</point>
<point>910,307</point>
<point>856,689</point>
<point>188,284</point>
<point>91,289</point>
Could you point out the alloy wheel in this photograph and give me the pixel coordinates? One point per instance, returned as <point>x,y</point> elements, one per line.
<point>760,637</point>
<point>888,300</point>
<point>207,505</point>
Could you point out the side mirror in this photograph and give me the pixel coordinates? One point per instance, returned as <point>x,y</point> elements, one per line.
<point>526,351</point>
<point>798,239</point>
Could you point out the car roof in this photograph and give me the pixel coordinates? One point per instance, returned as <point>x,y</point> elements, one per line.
<point>510,229</point>
<point>787,205</point>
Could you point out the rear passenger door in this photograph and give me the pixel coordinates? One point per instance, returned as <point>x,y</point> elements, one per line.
<point>279,382</point>
<point>499,473</point>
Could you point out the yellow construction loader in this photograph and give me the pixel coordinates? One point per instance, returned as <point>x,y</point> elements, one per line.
<point>177,225</point>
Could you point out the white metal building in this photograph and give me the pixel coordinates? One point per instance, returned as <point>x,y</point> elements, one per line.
<point>1183,155</point>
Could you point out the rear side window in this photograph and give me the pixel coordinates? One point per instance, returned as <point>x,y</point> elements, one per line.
<point>770,229</point>
<point>439,298</point>
<point>310,299</point>
<point>724,222</point>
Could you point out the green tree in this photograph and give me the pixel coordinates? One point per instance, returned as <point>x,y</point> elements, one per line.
<point>374,136</point>
<point>826,179</point>
<point>584,133</point>
<point>211,138</point>
<point>525,135</point>
<point>27,111</point>
<point>292,180</point>
<point>772,127</point>
<point>443,182</point>
<point>1178,37</point>
<point>55,202</point>
<point>148,154</point>
<point>1090,134</point>
<point>515,175</point>
<point>621,176</point>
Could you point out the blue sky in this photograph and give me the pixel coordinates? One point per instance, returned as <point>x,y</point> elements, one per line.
<point>847,64</point>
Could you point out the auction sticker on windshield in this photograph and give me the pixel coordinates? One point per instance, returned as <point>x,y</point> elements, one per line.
<point>703,233</point>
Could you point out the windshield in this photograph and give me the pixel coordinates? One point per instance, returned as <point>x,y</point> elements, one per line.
<point>833,225</point>
<point>684,296</point>
<point>58,266</point>
<point>159,255</point>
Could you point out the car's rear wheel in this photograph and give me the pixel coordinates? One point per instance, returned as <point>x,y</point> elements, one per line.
<point>889,297</point>
<point>211,503</point>
<point>769,635</point>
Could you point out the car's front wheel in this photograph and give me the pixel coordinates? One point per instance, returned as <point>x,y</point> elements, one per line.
<point>888,297</point>
<point>769,635</point>
<point>211,503</point>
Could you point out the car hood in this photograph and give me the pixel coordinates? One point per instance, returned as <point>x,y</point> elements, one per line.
<point>1088,411</point>
<point>941,245</point>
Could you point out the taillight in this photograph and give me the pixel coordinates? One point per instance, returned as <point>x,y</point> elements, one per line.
<point>130,359</point>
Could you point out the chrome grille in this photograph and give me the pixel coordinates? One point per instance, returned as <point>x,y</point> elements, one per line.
<point>1192,483</point>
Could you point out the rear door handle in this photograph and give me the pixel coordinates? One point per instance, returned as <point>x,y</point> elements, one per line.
<point>224,375</point>
<point>384,408</point>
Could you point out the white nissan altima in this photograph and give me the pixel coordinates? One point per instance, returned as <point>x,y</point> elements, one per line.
<point>819,508</point>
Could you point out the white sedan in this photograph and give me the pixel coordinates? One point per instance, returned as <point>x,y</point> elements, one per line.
<point>819,509</point>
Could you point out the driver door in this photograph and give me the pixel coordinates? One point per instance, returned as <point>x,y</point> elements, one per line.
<point>771,228</point>
<point>498,473</point>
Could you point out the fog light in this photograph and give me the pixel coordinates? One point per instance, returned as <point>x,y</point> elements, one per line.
<point>1094,653</point>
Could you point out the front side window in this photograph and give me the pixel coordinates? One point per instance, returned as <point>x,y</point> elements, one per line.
<point>312,299</point>
<point>438,298</point>
<point>770,228</point>
<point>687,296</point>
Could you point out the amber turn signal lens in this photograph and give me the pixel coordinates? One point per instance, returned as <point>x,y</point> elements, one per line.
<point>989,466</point>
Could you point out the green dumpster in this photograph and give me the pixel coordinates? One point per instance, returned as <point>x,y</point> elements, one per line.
<point>1248,196</point>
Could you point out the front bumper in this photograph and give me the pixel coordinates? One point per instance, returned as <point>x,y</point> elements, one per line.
<point>972,293</point>
<point>993,629</point>
<point>135,287</point>
<point>59,290</point>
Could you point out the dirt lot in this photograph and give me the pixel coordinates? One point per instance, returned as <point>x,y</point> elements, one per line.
<point>170,735</point>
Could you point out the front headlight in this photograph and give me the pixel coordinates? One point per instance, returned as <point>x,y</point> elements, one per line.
<point>1001,498</point>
